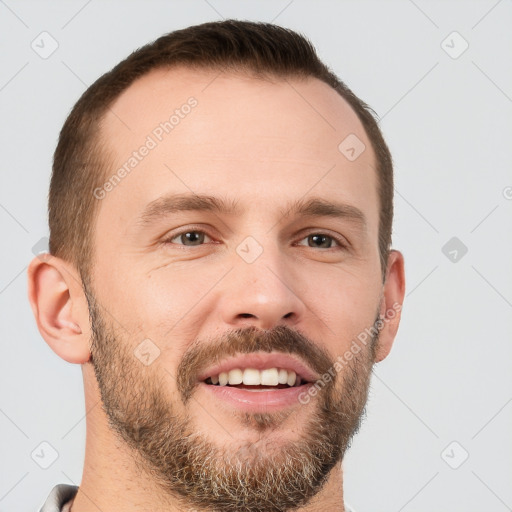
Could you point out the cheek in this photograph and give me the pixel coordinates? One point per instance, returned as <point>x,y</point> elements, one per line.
<point>171,301</point>
<point>345,302</point>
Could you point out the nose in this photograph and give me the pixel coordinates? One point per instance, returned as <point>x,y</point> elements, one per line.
<point>261,294</point>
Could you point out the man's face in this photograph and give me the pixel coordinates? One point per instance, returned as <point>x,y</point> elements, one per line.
<point>244,241</point>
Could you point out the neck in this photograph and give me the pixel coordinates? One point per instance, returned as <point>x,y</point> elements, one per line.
<point>112,480</point>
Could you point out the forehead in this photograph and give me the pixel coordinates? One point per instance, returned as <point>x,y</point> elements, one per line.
<point>263,107</point>
<point>229,133</point>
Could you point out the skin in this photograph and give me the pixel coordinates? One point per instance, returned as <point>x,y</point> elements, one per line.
<point>263,144</point>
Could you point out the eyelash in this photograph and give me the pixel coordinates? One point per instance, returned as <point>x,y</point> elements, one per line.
<point>342,244</point>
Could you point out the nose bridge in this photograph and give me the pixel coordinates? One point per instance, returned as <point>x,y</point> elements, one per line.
<point>260,292</point>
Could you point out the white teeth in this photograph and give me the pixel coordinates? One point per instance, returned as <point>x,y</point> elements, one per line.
<point>282,376</point>
<point>223,378</point>
<point>253,377</point>
<point>270,377</point>
<point>292,377</point>
<point>235,377</point>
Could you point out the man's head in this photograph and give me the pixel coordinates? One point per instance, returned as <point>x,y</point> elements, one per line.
<point>220,217</point>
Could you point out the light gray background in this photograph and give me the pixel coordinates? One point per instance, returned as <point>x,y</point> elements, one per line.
<point>447,121</point>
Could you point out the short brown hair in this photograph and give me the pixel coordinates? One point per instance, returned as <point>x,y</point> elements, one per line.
<point>262,49</point>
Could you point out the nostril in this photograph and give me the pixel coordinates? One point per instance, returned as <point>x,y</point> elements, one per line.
<point>246,315</point>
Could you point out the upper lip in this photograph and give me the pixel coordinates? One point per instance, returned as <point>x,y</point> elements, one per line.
<point>260,361</point>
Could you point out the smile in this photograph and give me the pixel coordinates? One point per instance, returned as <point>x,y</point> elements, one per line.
<point>256,380</point>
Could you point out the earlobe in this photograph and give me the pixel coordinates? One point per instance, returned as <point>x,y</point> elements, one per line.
<point>391,305</point>
<point>56,296</point>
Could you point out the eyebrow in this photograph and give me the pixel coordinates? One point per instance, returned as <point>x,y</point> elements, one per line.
<point>187,202</point>
<point>313,207</point>
<point>319,207</point>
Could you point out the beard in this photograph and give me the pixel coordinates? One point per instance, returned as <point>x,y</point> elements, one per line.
<point>188,465</point>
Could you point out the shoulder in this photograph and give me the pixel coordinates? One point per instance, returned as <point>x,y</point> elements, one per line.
<point>58,497</point>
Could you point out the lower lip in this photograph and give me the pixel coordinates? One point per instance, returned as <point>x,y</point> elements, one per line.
<point>257,401</point>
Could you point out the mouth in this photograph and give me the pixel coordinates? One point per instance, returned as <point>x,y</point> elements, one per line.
<point>258,382</point>
<point>253,379</point>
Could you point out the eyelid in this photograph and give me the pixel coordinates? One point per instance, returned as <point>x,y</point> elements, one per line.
<point>339,239</point>
<point>169,236</point>
<point>342,242</point>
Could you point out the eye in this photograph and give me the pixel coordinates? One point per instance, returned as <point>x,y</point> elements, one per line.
<point>190,238</point>
<point>320,241</point>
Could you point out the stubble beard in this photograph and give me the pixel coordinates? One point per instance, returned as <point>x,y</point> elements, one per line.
<point>188,466</point>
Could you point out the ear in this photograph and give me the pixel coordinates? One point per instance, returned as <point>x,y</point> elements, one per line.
<point>60,307</point>
<point>391,304</point>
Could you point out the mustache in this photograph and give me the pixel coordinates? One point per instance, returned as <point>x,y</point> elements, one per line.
<point>247,340</point>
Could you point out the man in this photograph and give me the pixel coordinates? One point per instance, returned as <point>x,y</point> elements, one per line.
<point>220,219</point>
